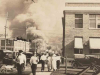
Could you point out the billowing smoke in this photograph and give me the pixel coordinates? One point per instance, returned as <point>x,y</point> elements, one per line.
<point>13,7</point>
<point>33,33</point>
<point>45,15</point>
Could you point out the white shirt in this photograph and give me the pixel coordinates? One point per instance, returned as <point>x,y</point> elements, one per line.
<point>43,57</point>
<point>58,58</point>
<point>34,60</point>
<point>54,58</point>
<point>21,59</point>
<point>49,60</point>
<point>47,55</point>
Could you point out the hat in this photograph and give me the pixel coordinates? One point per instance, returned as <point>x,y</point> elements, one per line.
<point>54,55</point>
<point>20,51</point>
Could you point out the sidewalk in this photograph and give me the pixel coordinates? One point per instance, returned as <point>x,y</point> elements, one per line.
<point>38,72</point>
<point>42,73</point>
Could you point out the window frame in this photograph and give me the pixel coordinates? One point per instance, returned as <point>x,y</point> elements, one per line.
<point>78,19</point>
<point>96,20</point>
<point>92,51</point>
<point>80,51</point>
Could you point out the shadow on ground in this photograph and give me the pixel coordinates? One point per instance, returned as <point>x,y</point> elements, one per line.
<point>28,73</point>
<point>13,74</point>
<point>60,72</point>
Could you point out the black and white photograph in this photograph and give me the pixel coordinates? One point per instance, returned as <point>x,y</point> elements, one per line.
<point>49,37</point>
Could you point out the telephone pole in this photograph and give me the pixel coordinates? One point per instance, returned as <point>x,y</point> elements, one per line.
<point>26,37</point>
<point>5,29</point>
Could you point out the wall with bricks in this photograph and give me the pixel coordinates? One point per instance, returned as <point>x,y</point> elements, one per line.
<point>71,32</point>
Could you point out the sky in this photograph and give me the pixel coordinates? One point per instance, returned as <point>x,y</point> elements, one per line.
<point>44,14</point>
<point>41,17</point>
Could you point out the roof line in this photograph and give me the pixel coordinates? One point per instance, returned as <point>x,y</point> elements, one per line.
<point>83,2</point>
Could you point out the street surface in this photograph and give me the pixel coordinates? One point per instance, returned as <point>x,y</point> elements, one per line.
<point>70,71</point>
<point>28,71</point>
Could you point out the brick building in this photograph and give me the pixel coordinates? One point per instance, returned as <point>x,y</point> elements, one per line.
<point>82,27</point>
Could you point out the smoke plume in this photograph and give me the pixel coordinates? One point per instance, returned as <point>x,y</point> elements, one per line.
<point>45,15</point>
<point>13,7</point>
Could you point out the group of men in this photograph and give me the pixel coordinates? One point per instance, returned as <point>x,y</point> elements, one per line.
<point>52,61</point>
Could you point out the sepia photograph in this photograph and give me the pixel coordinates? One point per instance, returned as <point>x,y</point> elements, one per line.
<point>49,37</point>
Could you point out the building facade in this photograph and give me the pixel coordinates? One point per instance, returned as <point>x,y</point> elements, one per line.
<point>9,43</point>
<point>14,45</point>
<point>21,45</point>
<point>82,27</point>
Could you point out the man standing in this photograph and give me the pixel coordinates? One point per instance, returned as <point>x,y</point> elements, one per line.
<point>58,61</point>
<point>21,62</point>
<point>54,64</point>
<point>43,59</point>
<point>49,63</point>
<point>34,61</point>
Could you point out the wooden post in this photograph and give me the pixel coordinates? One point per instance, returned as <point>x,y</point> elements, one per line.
<point>66,65</point>
<point>64,51</point>
<point>63,42</point>
<point>35,47</point>
<point>26,37</point>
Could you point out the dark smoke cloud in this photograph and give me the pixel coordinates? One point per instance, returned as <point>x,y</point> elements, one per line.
<point>45,15</point>
<point>13,7</point>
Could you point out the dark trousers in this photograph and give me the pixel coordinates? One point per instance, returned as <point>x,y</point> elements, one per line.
<point>34,67</point>
<point>58,64</point>
<point>43,64</point>
<point>20,68</point>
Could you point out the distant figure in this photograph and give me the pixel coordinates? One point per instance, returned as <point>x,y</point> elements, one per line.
<point>43,59</point>
<point>49,62</point>
<point>34,61</point>
<point>54,64</point>
<point>21,62</point>
<point>47,54</point>
<point>58,61</point>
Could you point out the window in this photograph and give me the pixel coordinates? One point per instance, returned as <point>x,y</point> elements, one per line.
<point>7,41</point>
<point>94,21</point>
<point>95,51</point>
<point>94,43</point>
<point>78,45</point>
<point>78,51</point>
<point>2,42</point>
<point>78,21</point>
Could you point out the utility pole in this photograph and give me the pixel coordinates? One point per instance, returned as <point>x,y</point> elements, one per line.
<point>57,49</point>
<point>5,29</point>
<point>35,47</point>
<point>26,37</point>
<point>64,52</point>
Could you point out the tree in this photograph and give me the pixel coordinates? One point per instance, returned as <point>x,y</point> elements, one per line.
<point>38,45</point>
<point>56,49</point>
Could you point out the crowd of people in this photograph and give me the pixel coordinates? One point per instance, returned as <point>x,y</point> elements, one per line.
<point>52,61</point>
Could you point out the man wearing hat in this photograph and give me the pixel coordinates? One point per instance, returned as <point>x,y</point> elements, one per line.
<point>21,62</point>
<point>34,61</point>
